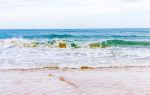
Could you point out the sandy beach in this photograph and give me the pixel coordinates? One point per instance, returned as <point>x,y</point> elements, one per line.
<point>103,81</point>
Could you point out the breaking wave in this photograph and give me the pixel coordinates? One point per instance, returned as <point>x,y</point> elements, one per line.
<point>56,43</point>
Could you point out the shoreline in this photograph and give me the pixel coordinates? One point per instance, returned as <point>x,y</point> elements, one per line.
<point>81,68</point>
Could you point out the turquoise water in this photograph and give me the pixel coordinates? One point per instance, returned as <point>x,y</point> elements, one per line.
<point>37,48</point>
<point>108,37</point>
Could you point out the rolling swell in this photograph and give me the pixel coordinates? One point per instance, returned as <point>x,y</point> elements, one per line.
<point>58,43</point>
<point>48,36</point>
<point>124,43</point>
<point>52,36</point>
<point>77,36</point>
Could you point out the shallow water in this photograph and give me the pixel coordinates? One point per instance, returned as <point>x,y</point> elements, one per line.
<point>16,57</point>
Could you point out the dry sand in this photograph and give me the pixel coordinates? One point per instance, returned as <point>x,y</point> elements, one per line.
<point>104,81</point>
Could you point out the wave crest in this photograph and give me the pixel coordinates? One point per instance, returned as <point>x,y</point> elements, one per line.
<point>57,43</point>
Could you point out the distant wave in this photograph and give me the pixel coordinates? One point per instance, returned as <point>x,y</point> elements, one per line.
<point>52,36</point>
<point>48,36</point>
<point>63,36</point>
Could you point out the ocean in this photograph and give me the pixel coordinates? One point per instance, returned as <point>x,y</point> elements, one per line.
<point>73,48</point>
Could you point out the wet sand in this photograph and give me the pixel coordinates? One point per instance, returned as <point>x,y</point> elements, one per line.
<point>104,81</point>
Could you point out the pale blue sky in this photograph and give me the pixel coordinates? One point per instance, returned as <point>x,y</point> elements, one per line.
<point>74,13</point>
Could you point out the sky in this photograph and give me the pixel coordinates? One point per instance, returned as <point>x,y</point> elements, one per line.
<point>74,14</point>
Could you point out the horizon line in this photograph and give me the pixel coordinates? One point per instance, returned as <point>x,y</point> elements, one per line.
<point>72,28</point>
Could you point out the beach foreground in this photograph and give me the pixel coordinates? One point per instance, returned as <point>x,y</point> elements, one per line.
<point>104,81</point>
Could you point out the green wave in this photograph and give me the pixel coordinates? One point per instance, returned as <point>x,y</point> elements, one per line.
<point>123,43</point>
<point>75,44</point>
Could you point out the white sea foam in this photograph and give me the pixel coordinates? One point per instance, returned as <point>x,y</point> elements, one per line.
<point>26,57</point>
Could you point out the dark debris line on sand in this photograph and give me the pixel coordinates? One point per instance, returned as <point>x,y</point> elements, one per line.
<point>66,81</point>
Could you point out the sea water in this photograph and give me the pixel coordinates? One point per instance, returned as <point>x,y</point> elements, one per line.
<point>73,48</point>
